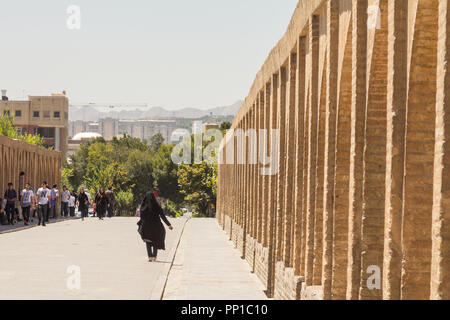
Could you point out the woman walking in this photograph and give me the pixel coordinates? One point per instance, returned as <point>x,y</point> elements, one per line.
<point>83,204</point>
<point>101,203</point>
<point>151,228</point>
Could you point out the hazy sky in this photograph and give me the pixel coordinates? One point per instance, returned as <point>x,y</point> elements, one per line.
<point>169,53</point>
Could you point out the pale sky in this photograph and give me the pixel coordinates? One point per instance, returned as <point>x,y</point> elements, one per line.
<point>168,53</point>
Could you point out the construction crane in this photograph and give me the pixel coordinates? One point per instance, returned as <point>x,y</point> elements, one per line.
<point>110,106</point>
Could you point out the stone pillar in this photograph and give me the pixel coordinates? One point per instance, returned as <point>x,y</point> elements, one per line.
<point>419,150</point>
<point>322,96</point>
<point>372,228</point>
<point>312,145</point>
<point>281,115</point>
<point>358,119</point>
<point>440,267</point>
<point>330,144</point>
<point>253,166</point>
<point>250,194</point>
<point>235,187</point>
<point>266,185</point>
<point>342,170</point>
<point>272,190</point>
<point>290,160</point>
<point>299,146</point>
<point>395,150</point>
<point>305,138</point>
<point>245,212</point>
<point>260,191</point>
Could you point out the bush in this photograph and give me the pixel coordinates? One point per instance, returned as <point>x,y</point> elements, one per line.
<point>171,209</point>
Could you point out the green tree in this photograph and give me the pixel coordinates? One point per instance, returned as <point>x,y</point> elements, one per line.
<point>165,174</point>
<point>198,184</point>
<point>66,176</point>
<point>224,126</point>
<point>7,129</point>
<point>156,142</point>
<point>124,203</point>
<point>140,173</point>
<point>113,175</point>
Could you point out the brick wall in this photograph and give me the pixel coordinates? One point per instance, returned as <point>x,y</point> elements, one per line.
<point>359,207</point>
<point>37,164</point>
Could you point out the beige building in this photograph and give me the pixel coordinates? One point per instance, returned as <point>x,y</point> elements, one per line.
<point>210,126</point>
<point>43,115</point>
<point>108,128</point>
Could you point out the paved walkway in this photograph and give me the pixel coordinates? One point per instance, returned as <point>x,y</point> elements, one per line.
<point>110,254</point>
<point>207,267</point>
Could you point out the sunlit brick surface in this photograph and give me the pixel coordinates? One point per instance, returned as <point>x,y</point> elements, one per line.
<point>359,91</point>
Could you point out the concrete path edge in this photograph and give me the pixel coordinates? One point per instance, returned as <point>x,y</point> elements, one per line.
<point>160,286</point>
<point>34,226</point>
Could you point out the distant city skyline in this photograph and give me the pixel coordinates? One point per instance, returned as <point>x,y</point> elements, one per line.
<point>172,54</point>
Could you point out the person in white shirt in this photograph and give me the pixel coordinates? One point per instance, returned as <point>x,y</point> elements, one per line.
<point>54,192</point>
<point>65,202</point>
<point>44,201</point>
<point>72,205</point>
<point>26,198</point>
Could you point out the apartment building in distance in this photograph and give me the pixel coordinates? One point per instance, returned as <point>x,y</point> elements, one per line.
<point>109,128</point>
<point>47,116</point>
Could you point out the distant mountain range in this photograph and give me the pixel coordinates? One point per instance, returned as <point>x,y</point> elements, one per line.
<point>94,114</point>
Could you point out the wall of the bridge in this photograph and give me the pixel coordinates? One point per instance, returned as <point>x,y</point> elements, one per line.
<point>359,92</point>
<point>34,163</point>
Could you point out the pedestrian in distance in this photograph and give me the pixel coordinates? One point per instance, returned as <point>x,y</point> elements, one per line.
<point>10,197</point>
<point>71,204</point>
<point>65,195</point>
<point>111,199</point>
<point>83,204</point>
<point>101,203</point>
<point>54,197</point>
<point>44,203</point>
<point>26,200</point>
<point>74,193</point>
<point>151,228</point>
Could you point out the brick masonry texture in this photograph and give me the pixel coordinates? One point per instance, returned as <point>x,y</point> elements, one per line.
<point>360,206</point>
<point>262,263</point>
<point>37,164</point>
<point>250,252</point>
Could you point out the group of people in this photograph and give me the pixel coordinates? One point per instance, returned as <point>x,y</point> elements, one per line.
<point>103,203</point>
<point>44,203</point>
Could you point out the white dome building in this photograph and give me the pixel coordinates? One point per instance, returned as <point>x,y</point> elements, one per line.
<point>75,142</point>
<point>82,136</point>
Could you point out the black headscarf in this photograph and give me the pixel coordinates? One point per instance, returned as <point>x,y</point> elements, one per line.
<point>150,207</point>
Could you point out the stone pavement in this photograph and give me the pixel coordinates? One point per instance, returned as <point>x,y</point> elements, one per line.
<point>207,267</point>
<point>110,254</point>
<point>33,223</point>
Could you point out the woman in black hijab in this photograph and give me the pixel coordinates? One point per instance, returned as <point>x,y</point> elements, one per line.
<point>101,203</point>
<point>151,228</point>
